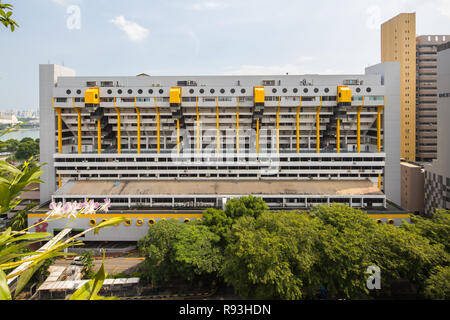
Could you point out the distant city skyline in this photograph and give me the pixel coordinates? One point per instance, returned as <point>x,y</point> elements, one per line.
<point>198,38</point>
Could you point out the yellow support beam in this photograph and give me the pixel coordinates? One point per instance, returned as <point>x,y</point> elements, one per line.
<point>59,181</point>
<point>157,128</point>
<point>237,126</point>
<point>379,181</point>
<point>358,128</point>
<point>198,125</point>
<point>99,137</point>
<point>257,136</point>
<point>78,110</point>
<point>318,126</point>
<point>338,136</point>
<point>119,140</point>
<point>380,108</point>
<point>298,125</point>
<point>278,124</point>
<point>218,144</point>
<point>138,115</point>
<point>58,111</point>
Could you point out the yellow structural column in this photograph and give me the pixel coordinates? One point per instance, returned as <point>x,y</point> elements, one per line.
<point>138,115</point>
<point>58,110</point>
<point>78,110</point>
<point>178,136</point>
<point>119,140</point>
<point>257,136</point>
<point>157,128</point>
<point>198,125</point>
<point>99,137</point>
<point>237,126</point>
<point>318,126</point>
<point>278,124</point>
<point>298,125</point>
<point>218,145</point>
<point>380,108</point>
<point>358,128</point>
<point>338,136</point>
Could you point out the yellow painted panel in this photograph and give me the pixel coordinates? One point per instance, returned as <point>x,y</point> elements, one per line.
<point>344,94</point>
<point>259,94</point>
<point>128,215</point>
<point>175,95</point>
<point>92,96</point>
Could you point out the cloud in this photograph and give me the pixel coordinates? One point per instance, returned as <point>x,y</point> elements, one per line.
<point>207,5</point>
<point>133,31</point>
<point>66,2</point>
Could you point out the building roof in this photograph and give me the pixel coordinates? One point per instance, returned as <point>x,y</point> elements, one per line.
<point>126,188</point>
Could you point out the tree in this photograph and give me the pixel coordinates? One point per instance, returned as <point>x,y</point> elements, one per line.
<point>274,256</point>
<point>27,149</point>
<point>88,264</point>
<point>5,16</point>
<point>245,206</point>
<point>438,285</point>
<point>218,223</point>
<point>173,249</point>
<point>435,228</point>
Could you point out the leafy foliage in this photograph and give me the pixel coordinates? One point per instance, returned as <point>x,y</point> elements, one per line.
<point>5,16</point>
<point>438,284</point>
<point>14,181</point>
<point>19,221</point>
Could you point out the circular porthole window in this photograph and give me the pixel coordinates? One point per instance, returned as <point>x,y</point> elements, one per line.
<point>358,90</point>
<point>390,221</point>
<point>161,91</point>
<point>274,90</point>
<point>305,90</point>
<point>368,89</point>
<point>127,222</point>
<point>109,91</point>
<point>202,91</point>
<point>316,90</point>
<point>140,222</point>
<point>212,90</point>
<point>92,222</point>
<point>284,90</point>
<point>222,91</point>
<point>295,90</point>
<point>242,90</point>
<point>163,219</point>
<point>150,91</point>
<point>379,221</point>
<point>119,91</point>
<point>78,91</point>
<point>151,222</point>
<point>68,92</point>
<point>191,91</point>
<point>186,220</point>
<point>140,91</point>
<point>130,91</point>
<point>327,90</point>
<point>233,90</point>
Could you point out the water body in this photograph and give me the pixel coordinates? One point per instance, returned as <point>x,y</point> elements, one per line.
<point>21,133</point>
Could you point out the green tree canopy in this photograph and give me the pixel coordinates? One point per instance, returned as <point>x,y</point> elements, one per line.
<point>5,16</point>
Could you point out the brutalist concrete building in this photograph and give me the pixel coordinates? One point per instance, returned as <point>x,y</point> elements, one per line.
<point>170,146</point>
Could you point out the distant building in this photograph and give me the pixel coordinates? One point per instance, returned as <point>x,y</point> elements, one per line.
<point>427,99</point>
<point>437,174</point>
<point>8,119</point>
<point>398,43</point>
<point>412,187</point>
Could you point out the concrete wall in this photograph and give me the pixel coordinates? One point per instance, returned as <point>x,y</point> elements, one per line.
<point>390,75</point>
<point>48,75</point>
<point>412,187</point>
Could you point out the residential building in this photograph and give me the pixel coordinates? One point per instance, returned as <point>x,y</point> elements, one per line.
<point>437,174</point>
<point>426,102</point>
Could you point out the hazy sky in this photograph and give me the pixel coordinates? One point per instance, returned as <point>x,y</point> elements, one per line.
<point>198,37</point>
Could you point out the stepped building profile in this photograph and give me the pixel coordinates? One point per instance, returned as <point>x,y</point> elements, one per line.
<point>170,146</point>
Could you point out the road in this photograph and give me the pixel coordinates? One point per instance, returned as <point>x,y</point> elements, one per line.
<point>112,265</point>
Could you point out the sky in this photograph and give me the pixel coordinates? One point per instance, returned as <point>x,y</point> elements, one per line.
<point>198,37</point>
